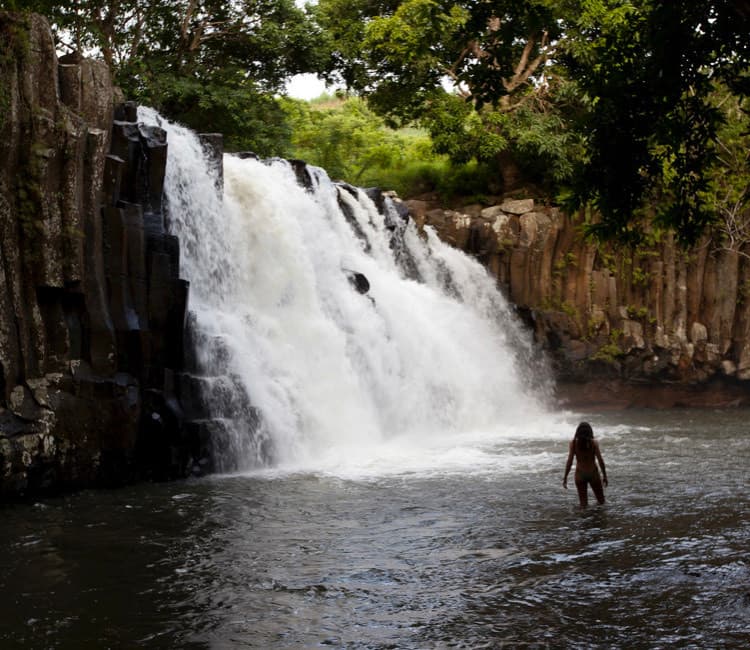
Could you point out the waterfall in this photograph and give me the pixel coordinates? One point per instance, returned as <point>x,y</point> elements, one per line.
<point>328,327</point>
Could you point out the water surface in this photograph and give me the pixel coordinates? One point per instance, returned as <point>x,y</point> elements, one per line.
<point>482,549</point>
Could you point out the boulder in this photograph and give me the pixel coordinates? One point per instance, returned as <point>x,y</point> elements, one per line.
<point>517,206</point>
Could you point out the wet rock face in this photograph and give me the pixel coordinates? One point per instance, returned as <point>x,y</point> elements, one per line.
<point>651,315</point>
<point>92,309</point>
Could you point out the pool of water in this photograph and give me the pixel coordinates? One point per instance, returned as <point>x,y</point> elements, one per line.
<point>486,552</point>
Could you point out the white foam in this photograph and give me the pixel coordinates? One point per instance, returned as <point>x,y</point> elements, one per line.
<point>416,376</point>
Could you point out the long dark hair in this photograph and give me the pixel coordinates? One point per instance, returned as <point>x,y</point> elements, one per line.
<point>584,436</point>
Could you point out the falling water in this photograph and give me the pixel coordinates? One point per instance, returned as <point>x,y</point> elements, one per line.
<point>306,369</point>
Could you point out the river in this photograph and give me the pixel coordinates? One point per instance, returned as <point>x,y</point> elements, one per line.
<point>476,545</point>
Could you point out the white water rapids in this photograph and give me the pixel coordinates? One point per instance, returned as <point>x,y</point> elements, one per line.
<point>428,370</point>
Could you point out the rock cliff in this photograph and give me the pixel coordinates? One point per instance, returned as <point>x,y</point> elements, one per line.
<point>655,325</point>
<point>92,310</point>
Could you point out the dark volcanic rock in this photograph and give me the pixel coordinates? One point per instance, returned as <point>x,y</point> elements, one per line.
<point>92,310</point>
<point>359,281</point>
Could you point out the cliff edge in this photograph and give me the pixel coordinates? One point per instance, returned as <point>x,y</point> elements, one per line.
<point>92,309</point>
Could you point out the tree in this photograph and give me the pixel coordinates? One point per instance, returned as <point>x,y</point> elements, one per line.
<point>612,97</point>
<point>347,140</point>
<point>650,69</point>
<point>210,64</point>
<point>495,55</point>
<point>728,191</point>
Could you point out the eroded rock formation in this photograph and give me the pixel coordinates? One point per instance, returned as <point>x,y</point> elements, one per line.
<point>651,326</point>
<point>92,309</point>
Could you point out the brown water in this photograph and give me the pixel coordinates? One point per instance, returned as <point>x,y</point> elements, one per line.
<point>419,559</point>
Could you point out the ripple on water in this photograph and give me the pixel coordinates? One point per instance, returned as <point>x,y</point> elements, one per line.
<point>408,561</point>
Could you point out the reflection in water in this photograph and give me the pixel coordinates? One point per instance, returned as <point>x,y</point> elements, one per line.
<point>427,559</point>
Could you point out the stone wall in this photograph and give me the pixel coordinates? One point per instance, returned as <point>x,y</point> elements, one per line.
<point>92,310</point>
<point>617,322</point>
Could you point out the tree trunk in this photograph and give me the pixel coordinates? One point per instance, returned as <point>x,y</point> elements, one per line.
<point>509,171</point>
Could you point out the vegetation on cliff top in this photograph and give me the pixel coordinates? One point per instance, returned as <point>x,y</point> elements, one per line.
<point>619,92</point>
<point>353,143</point>
<point>211,65</point>
<point>618,104</point>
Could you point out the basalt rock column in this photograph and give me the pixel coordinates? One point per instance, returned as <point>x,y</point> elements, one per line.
<point>91,306</point>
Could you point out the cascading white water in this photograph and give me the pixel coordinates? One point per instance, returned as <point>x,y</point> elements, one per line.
<point>429,358</point>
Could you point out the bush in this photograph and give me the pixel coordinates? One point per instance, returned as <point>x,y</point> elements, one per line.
<point>353,144</point>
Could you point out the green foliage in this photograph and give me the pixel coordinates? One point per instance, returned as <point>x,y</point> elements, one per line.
<point>403,49</point>
<point>607,259</point>
<point>535,140</point>
<point>508,106</point>
<point>543,141</point>
<point>355,144</point>
<point>436,176</point>
<point>250,120</point>
<point>610,352</point>
<point>649,69</point>
<point>209,64</point>
<point>637,313</point>
<point>641,278</point>
<point>728,192</point>
<point>607,101</point>
<point>348,140</point>
<point>569,309</point>
<point>570,260</point>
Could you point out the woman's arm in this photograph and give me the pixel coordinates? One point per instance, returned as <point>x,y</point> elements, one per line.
<point>568,465</point>
<point>598,455</point>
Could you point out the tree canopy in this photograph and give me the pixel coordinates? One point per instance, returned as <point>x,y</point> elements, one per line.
<point>651,70</point>
<point>613,98</point>
<point>206,63</point>
<point>478,75</point>
<point>619,104</point>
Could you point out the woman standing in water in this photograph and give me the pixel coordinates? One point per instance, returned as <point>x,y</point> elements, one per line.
<point>586,452</point>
